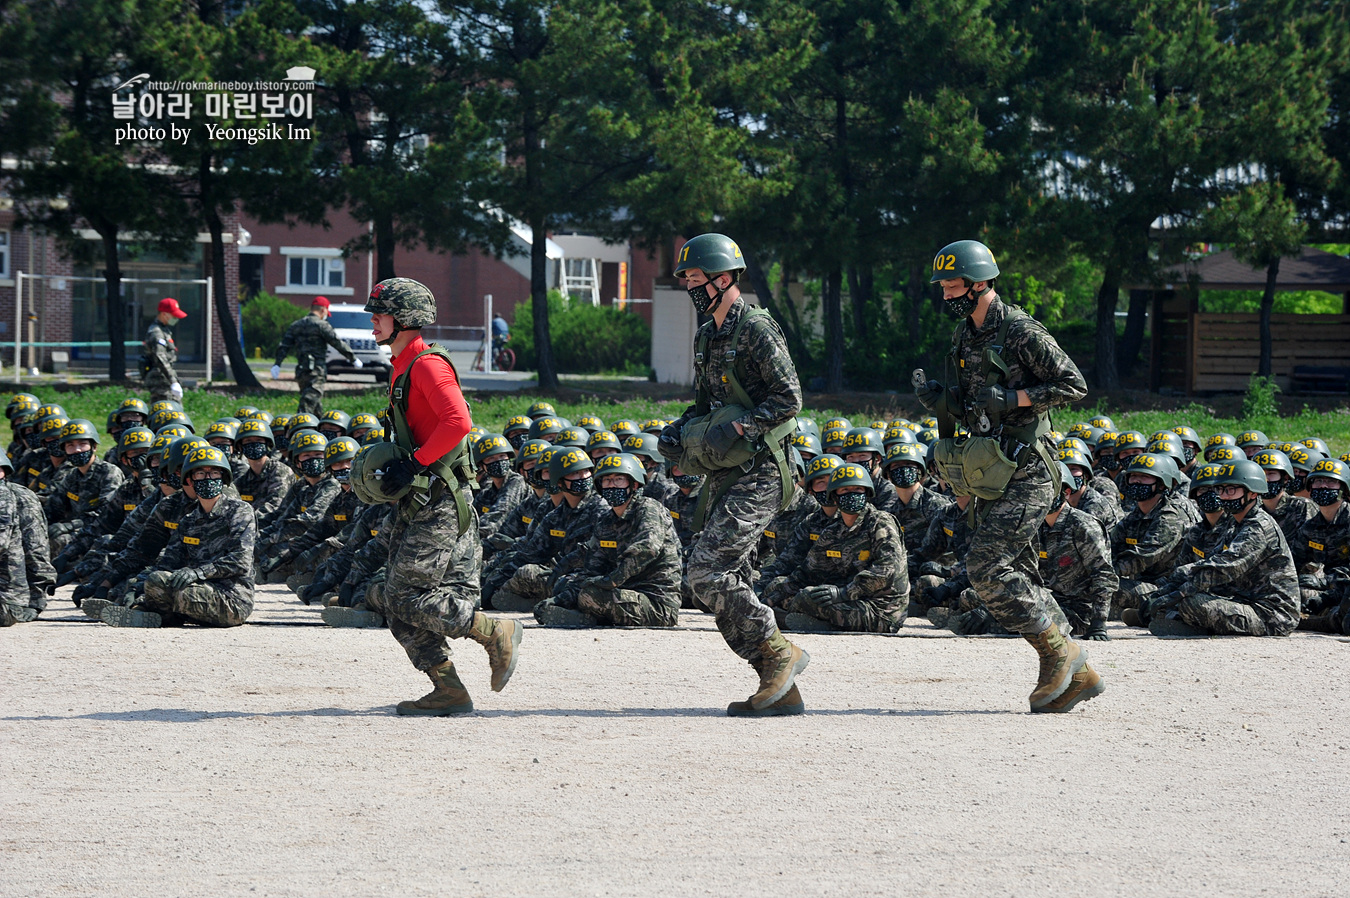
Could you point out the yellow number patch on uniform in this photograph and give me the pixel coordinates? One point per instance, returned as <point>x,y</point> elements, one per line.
<point>74,497</point>
<point>1131,541</point>
<point>128,507</point>
<point>304,508</point>
<point>485,509</point>
<point>557,533</point>
<point>724,378</point>
<point>525,520</point>
<point>339,517</point>
<point>1197,551</point>
<point>172,525</point>
<point>608,544</point>
<point>374,533</point>
<point>963,363</point>
<point>833,553</point>
<point>771,534</point>
<point>675,515</point>
<point>815,536</point>
<point>1042,554</point>
<point>1318,546</point>
<point>246,498</point>
<point>35,473</point>
<point>192,541</point>
<point>864,554</point>
<point>948,531</point>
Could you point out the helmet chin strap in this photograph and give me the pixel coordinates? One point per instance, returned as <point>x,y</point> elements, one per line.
<point>393,335</point>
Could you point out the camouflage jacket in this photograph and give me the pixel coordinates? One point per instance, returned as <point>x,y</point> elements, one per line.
<point>304,532</point>
<point>770,377</point>
<point>41,473</point>
<point>915,517</point>
<point>561,532</point>
<point>681,509</point>
<point>517,522</point>
<point>370,521</point>
<point>77,497</point>
<point>1255,568</point>
<point>496,505</point>
<point>36,550</point>
<point>1075,558</point>
<point>867,560</point>
<point>792,554</point>
<point>1104,482</point>
<point>1203,539</point>
<point>159,355</point>
<point>108,521</point>
<point>638,551</point>
<point>147,544</point>
<point>14,590</point>
<point>658,487</point>
<point>97,558</point>
<point>1036,363</point>
<point>266,490</point>
<point>1291,513</point>
<point>306,339</point>
<point>306,505</point>
<point>883,492</point>
<point>1145,546</point>
<point>1325,544</point>
<point>779,530</point>
<point>948,538</point>
<point>1105,509</point>
<point>218,544</point>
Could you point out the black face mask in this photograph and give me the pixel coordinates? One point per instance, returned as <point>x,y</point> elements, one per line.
<point>704,301</point>
<point>517,439</point>
<point>172,481</point>
<point>499,468</point>
<point>1189,452</point>
<point>80,459</point>
<point>578,487</point>
<point>312,467</point>
<point>342,475</point>
<point>1296,484</point>
<point>32,440</point>
<point>821,497</point>
<point>1140,492</point>
<point>1109,463</point>
<point>616,495</point>
<point>1209,501</point>
<point>136,462</point>
<point>688,481</point>
<point>851,503</point>
<point>1325,495</point>
<point>1274,489</point>
<point>55,451</point>
<point>208,489</point>
<point>255,450</point>
<point>905,476</point>
<point>552,488</point>
<point>961,306</point>
<point>1234,506</point>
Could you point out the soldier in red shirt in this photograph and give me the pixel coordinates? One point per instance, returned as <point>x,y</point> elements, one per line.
<point>435,558</point>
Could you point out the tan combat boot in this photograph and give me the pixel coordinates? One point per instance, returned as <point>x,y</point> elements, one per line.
<point>501,638</point>
<point>1060,659</point>
<point>789,705</point>
<point>447,696</point>
<point>1086,684</point>
<point>782,661</point>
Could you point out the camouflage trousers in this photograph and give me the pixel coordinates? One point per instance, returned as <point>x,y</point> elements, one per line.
<point>311,383</point>
<point>613,607</point>
<point>1078,610</point>
<point>919,591</point>
<point>214,603</point>
<point>58,538</point>
<point>300,571</point>
<point>720,572</point>
<point>158,386</point>
<point>1002,561</point>
<point>12,612</point>
<point>1132,594</point>
<point>855,616</point>
<point>432,577</point>
<point>1223,617</point>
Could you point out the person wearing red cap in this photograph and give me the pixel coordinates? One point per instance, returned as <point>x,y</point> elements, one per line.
<point>306,338</point>
<point>160,353</point>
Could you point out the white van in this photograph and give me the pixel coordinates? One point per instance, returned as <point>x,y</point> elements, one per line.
<point>352,324</point>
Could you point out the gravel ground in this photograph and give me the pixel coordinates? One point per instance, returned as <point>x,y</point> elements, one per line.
<point>267,760</point>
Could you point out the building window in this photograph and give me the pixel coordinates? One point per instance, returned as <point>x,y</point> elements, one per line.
<point>4,254</point>
<point>309,271</point>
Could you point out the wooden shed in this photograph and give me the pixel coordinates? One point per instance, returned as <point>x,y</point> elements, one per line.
<point>1197,352</point>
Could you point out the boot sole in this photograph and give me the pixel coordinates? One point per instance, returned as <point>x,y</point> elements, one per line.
<point>93,608</point>
<point>1085,695</point>
<point>117,616</point>
<point>350,617</point>
<point>512,603</point>
<point>796,671</point>
<point>745,709</point>
<point>517,633</point>
<point>805,623</point>
<point>407,709</point>
<point>1075,666</point>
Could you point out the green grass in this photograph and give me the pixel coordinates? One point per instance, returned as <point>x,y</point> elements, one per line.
<point>491,410</point>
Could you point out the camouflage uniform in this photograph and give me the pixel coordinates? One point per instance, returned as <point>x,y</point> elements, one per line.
<point>15,603</point>
<point>720,572</point>
<point>219,546</point>
<point>496,504</point>
<point>124,569</point>
<point>40,574</point>
<point>780,528</point>
<point>1001,564</point>
<point>552,547</point>
<point>517,522</point>
<point>96,559</point>
<point>1204,539</point>
<point>1322,554</point>
<point>1075,565</point>
<point>943,553</point>
<point>330,572</point>
<point>266,490</point>
<point>364,578</point>
<point>659,487</point>
<point>1248,588</point>
<point>432,576</point>
<point>306,339</point>
<point>301,547</point>
<point>865,563</point>
<point>1291,513</point>
<point>76,498</point>
<point>1145,549</point>
<point>681,508</point>
<point>1106,510</point>
<point>1104,483</point>
<point>158,357</point>
<point>792,554</point>
<point>631,576</point>
<point>42,472</point>
<point>305,507</point>
<point>914,518</point>
<point>109,520</point>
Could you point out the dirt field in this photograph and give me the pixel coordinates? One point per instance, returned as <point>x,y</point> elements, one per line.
<point>267,760</point>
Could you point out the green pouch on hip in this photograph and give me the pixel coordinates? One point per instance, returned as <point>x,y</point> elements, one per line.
<point>973,466</point>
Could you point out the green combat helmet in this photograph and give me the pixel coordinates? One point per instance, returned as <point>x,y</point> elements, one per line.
<point>850,474</point>
<point>368,470</point>
<point>207,457</point>
<point>714,255</point>
<point>970,260</point>
<point>489,444</point>
<point>575,437</point>
<point>539,410</point>
<point>546,428</point>
<point>603,440</point>
<point>1243,473</point>
<point>820,466</point>
<point>571,461</point>
<point>409,302</point>
<point>623,463</point>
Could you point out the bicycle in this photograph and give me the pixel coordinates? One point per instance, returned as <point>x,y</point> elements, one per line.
<point>503,358</point>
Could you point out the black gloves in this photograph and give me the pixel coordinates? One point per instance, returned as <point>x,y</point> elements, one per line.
<point>997,400</point>
<point>397,475</point>
<point>723,437</point>
<point>929,392</point>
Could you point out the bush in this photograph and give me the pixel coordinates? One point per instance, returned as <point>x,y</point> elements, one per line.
<point>587,339</point>
<point>1260,402</point>
<point>265,318</point>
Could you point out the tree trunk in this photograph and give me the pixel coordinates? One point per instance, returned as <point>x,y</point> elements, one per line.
<point>1133,339</point>
<point>834,331</point>
<point>117,310</point>
<point>1267,306</point>
<point>860,295</point>
<point>1107,296</point>
<point>543,342</point>
<point>384,246</point>
<point>781,311</point>
<point>229,328</point>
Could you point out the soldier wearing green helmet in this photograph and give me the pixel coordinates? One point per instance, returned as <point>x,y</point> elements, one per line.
<point>266,479</point>
<point>1003,375</point>
<point>1290,512</point>
<point>1145,544</point>
<point>302,556</point>
<point>1075,563</point>
<point>780,527</point>
<point>1322,550</point>
<point>643,446</point>
<point>133,449</point>
<point>80,487</point>
<point>1085,498</point>
<point>738,432</point>
<point>1249,587</point>
<point>305,508</point>
<point>791,551</point>
<point>503,489</point>
<point>914,506</point>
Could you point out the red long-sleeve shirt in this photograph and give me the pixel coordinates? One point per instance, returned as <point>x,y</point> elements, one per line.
<point>437,413</point>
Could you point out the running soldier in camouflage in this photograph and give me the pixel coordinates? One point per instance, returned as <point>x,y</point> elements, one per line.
<point>307,339</point>
<point>1076,565</point>
<point>1005,373</point>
